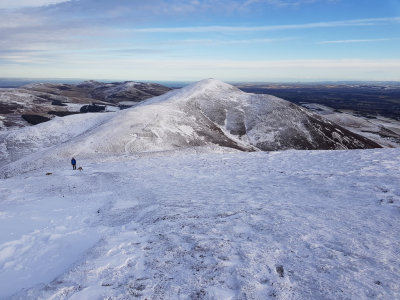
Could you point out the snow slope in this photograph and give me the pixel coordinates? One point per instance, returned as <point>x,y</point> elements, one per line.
<point>209,113</point>
<point>383,131</point>
<point>16,144</point>
<point>279,225</point>
<point>371,129</point>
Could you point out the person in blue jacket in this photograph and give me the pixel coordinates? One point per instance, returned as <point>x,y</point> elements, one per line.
<point>73,163</point>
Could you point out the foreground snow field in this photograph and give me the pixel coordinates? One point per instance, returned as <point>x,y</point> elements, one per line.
<point>278,225</point>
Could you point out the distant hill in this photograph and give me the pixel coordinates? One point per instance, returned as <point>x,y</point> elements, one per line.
<point>39,102</point>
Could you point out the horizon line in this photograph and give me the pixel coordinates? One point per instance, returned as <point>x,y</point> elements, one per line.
<point>192,81</point>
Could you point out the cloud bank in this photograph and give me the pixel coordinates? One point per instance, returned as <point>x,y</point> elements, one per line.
<point>7,4</point>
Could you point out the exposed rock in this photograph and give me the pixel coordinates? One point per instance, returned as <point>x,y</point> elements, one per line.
<point>35,119</point>
<point>280,271</point>
<point>92,108</point>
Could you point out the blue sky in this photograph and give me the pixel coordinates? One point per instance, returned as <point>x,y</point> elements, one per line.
<point>239,40</point>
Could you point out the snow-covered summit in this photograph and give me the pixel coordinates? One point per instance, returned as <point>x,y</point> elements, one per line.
<point>198,89</point>
<point>262,121</point>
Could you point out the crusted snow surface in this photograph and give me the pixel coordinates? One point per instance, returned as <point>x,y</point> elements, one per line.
<point>278,225</point>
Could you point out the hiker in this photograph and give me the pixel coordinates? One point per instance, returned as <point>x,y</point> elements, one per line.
<point>73,163</point>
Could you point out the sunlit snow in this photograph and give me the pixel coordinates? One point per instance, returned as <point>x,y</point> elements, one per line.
<point>160,212</point>
<point>215,226</point>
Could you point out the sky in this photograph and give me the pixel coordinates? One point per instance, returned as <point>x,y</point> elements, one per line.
<point>171,40</point>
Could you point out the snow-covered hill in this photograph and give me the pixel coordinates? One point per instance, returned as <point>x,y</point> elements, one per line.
<point>128,91</point>
<point>278,225</point>
<point>42,101</point>
<point>209,114</point>
<point>176,201</point>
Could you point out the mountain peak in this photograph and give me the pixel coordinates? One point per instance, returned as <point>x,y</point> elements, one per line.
<point>211,84</point>
<point>207,88</point>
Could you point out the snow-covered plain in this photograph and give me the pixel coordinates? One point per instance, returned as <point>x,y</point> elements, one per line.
<point>234,225</point>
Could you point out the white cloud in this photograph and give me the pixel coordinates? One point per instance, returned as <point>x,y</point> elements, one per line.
<point>279,2</point>
<point>346,23</point>
<point>10,4</point>
<point>15,20</point>
<point>215,42</point>
<point>355,41</point>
